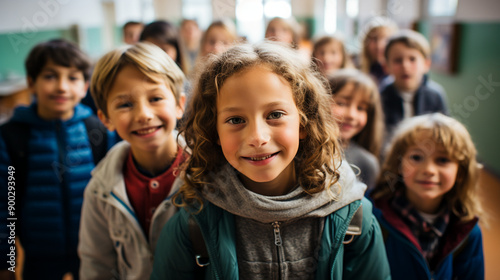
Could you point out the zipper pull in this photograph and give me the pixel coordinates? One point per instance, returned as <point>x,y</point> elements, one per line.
<point>277,234</point>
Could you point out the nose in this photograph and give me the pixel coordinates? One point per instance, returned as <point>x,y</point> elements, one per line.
<point>258,134</point>
<point>350,112</point>
<point>405,63</point>
<point>63,85</point>
<point>429,168</point>
<point>144,113</point>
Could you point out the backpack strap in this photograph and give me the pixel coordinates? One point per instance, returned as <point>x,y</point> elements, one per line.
<point>355,225</point>
<point>199,248</point>
<point>16,136</point>
<point>98,137</point>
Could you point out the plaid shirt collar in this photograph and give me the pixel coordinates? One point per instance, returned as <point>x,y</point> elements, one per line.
<point>428,234</point>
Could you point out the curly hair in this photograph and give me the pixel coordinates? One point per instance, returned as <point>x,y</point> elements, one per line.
<point>318,156</point>
<point>453,137</point>
<point>372,135</point>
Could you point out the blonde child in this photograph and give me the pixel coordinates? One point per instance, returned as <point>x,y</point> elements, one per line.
<point>265,184</point>
<point>358,111</point>
<point>329,54</point>
<point>138,90</point>
<point>285,30</point>
<point>427,201</point>
<point>375,35</point>
<point>218,37</point>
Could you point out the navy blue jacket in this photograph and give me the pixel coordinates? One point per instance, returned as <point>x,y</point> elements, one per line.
<point>429,98</point>
<point>461,256</point>
<point>59,164</point>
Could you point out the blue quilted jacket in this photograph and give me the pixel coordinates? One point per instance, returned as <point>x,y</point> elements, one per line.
<point>59,164</point>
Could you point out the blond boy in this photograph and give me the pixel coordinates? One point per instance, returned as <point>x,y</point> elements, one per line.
<point>137,90</point>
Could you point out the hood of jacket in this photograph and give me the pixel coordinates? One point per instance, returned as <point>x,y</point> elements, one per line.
<point>229,194</point>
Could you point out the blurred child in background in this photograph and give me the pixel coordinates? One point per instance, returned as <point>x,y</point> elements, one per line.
<point>411,93</point>
<point>356,107</point>
<point>190,38</point>
<point>52,146</point>
<point>132,32</point>
<point>375,35</point>
<point>284,30</point>
<point>329,54</point>
<point>164,34</point>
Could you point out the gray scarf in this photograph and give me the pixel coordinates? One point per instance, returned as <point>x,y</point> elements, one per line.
<point>228,193</point>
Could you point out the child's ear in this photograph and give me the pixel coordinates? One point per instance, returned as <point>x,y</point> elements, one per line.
<point>107,123</point>
<point>31,84</point>
<point>85,90</point>
<point>181,106</point>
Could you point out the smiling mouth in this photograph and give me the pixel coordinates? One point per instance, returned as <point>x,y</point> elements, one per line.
<point>146,131</point>
<point>427,183</point>
<point>261,158</point>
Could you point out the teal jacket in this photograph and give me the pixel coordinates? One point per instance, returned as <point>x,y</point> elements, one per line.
<point>363,258</point>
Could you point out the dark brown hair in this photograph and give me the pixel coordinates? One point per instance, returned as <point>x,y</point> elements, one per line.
<point>60,52</point>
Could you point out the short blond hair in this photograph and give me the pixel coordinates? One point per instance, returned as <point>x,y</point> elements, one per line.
<point>153,62</point>
<point>410,39</point>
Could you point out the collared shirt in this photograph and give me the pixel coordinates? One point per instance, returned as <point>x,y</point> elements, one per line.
<point>428,234</point>
<point>146,192</point>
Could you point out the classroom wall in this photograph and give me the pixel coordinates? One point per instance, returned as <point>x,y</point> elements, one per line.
<point>474,90</point>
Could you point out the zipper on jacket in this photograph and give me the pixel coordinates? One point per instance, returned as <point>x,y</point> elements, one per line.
<point>278,242</point>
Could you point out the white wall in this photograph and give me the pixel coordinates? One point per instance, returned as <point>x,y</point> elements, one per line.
<point>302,8</point>
<point>36,15</point>
<point>170,10</point>
<point>478,10</point>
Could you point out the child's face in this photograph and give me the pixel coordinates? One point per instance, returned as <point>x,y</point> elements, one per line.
<point>407,65</point>
<point>132,33</point>
<point>58,89</point>
<point>190,32</point>
<point>259,129</point>
<point>428,173</point>
<point>376,42</point>
<point>351,111</point>
<point>278,31</point>
<point>330,56</point>
<point>217,41</point>
<point>143,112</point>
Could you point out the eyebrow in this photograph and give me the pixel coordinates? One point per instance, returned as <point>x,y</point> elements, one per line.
<point>235,109</point>
<point>120,98</point>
